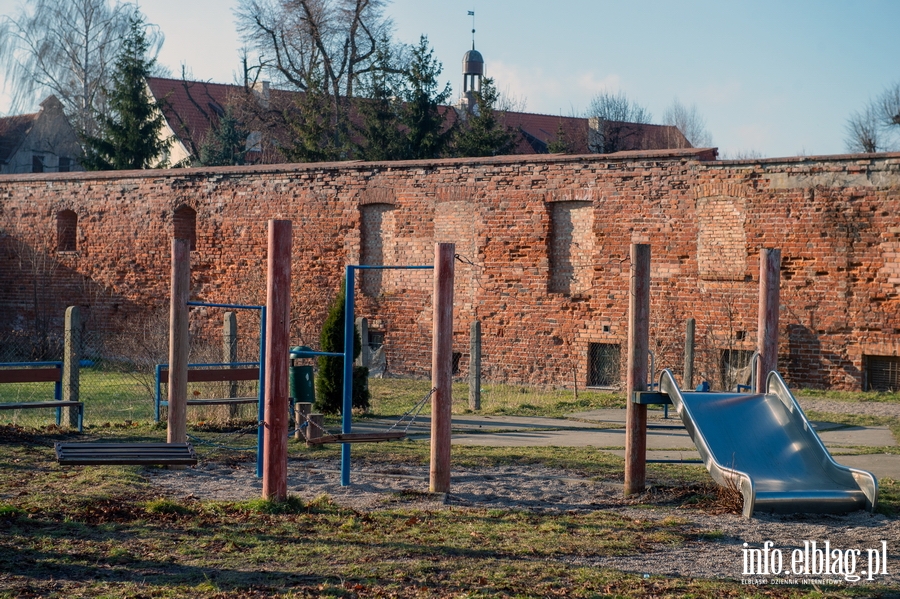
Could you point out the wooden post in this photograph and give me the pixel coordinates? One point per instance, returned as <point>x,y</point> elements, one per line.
<point>315,428</point>
<point>688,380</point>
<point>71,364</point>
<point>638,350</point>
<point>767,331</point>
<point>278,320</point>
<point>178,340</point>
<point>442,367</point>
<point>364,359</point>
<point>302,409</point>
<point>475,366</point>
<point>229,354</point>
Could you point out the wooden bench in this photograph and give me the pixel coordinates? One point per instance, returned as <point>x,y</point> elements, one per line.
<point>125,454</point>
<point>39,372</point>
<point>208,373</point>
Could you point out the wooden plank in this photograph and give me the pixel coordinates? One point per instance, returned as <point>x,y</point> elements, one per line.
<point>223,401</point>
<point>357,438</point>
<point>30,375</point>
<point>214,375</point>
<point>125,454</point>
<point>25,405</point>
<point>179,345</point>
<point>767,327</point>
<point>651,398</point>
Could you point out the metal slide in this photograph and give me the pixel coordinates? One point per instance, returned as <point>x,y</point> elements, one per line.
<point>764,445</point>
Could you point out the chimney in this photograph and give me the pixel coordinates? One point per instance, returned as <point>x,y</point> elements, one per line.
<point>261,90</point>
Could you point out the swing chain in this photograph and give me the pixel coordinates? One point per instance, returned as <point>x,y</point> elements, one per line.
<point>414,411</point>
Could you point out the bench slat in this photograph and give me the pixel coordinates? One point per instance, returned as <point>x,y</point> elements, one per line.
<point>215,375</point>
<point>357,438</point>
<point>125,454</point>
<point>30,375</point>
<point>39,404</point>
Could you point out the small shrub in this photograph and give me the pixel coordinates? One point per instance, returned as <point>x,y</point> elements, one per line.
<point>330,378</point>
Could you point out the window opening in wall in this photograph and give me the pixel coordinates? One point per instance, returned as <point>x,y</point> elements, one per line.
<point>455,366</point>
<point>734,368</point>
<point>37,164</point>
<point>185,222</point>
<point>603,364</point>
<point>65,164</point>
<point>376,340</point>
<point>740,335</point>
<point>570,247</point>
<point>882,373</point>
<point>66,231</point>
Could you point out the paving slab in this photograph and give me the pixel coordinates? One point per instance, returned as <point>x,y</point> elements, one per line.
<point>865,436</point>
<point>882,465</point>
<point>656,439</point>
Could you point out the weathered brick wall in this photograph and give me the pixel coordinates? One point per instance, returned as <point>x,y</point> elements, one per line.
<point>543,244</point>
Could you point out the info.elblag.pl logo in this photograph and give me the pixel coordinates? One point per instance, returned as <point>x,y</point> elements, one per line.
<point>813,559</point>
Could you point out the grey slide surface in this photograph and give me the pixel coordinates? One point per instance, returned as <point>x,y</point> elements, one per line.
<point>762,444</point>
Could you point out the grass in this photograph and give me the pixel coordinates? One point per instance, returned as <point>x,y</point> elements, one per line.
<point>105,532</point>
<point>395,396</point>
<point>850,396</point>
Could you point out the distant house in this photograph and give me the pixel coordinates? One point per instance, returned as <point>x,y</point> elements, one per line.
<point>43,142</point>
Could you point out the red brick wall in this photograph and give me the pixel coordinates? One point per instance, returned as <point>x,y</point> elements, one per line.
<point>835,219</point>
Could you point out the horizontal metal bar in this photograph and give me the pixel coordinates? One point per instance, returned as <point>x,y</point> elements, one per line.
<point>374,267</point>
<point>310,354</point>
<point>235,306</point>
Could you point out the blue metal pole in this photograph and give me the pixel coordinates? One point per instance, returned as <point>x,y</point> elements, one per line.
<point>347,411</point>
<point>262,387</point>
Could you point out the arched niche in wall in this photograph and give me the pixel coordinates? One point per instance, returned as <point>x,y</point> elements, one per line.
<point>185,225</point>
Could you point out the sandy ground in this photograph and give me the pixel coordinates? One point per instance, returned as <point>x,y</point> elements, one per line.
<point>544,490</point>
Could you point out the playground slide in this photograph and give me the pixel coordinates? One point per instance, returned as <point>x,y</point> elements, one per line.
<point>763,444</point>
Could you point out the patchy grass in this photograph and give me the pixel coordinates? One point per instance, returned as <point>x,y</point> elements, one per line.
<point>849,396</point>
<point>104,532</point>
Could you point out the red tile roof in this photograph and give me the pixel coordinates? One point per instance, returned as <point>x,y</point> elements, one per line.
<point>13,130</point>
<point>192,106</point>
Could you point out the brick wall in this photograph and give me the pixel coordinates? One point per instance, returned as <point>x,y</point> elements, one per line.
<point>525,229</point>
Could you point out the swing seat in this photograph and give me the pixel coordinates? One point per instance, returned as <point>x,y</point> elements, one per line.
<point>125,454</point>
<point>357,438</point>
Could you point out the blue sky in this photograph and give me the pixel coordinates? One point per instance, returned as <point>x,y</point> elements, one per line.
<point>777,77</point>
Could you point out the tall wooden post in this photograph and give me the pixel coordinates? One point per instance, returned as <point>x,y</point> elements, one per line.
<point>71,364</point>
<point>278,320</point>
<point>638,351</point>
<point>688,380</point>
<point>767,331</point>
<point>475,366</point>
<point>442,367</point>
<point>178,340</point>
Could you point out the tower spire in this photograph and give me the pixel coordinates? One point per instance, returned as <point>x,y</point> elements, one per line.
<point>472,14</point>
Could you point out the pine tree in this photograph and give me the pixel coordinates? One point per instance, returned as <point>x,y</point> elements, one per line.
<point>380,136</point>
<point>330,378</point>
<point>560,144</point>
<point>129,136</point>
<point>227,142</point>
<point>315,134</point>
<point>427,135</point>
<point>483,134</point>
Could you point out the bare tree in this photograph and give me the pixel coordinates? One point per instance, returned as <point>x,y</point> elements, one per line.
<point>689,121</point>
<point>67,49</point>
<point>876,128</point>
<point>615,116</point>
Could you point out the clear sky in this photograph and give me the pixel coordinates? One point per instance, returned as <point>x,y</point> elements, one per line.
<point>778,77</point>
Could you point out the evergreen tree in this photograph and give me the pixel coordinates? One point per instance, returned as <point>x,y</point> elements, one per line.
<point>560,144</point>
<point>129,136</point>
<point>330,378</point>
<point>319,133</point>
<point>227,142</point>
<point>483,134</point>
<point>427,135</point>
<point>380,134</point>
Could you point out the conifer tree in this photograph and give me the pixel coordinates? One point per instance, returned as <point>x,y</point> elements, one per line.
<point>483,134</point>
<point>129,136</point>
<point>427,135</point>
<point>330,378</point>
<point>226,144</point>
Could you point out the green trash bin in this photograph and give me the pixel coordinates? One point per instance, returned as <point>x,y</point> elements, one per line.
<point>301,384</point>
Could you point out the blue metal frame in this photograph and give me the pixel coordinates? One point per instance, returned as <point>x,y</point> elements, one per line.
<point>349,325</point>
<point>57,386</point>
<point>262,372</point>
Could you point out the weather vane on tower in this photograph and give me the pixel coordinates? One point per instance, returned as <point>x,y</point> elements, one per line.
<point>472,14</point>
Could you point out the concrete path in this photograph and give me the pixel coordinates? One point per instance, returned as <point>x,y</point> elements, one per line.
<point>666,438</point>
